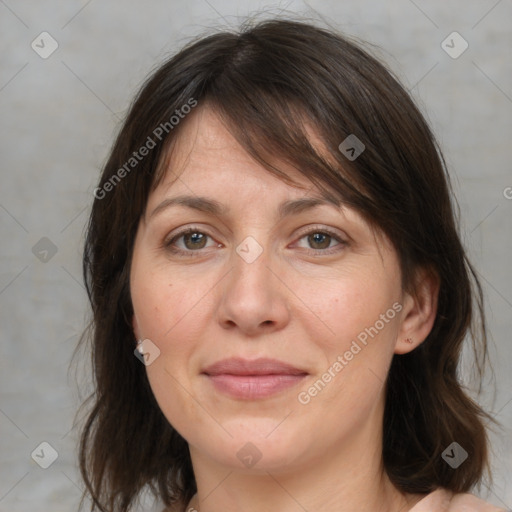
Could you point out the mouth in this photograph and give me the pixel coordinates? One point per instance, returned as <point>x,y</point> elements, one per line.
<point>250,380</point>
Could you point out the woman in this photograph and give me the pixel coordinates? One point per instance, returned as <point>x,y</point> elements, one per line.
<point>273,238</point>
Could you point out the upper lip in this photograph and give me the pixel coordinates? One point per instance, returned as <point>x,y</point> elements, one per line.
<point>261,366</point>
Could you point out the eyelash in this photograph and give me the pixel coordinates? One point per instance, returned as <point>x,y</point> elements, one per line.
<point>168,245</point>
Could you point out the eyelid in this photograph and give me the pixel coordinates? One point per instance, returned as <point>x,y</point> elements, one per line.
<point>319,228</point>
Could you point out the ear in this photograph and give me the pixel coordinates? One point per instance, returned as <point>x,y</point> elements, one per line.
<point>419,311</point>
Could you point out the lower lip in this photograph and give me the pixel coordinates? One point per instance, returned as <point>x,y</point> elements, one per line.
<point>251,387</point>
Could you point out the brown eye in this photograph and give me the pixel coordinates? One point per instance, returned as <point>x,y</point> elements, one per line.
<point>189,242</point>
<point>194,240</point>
<point>319,240</point>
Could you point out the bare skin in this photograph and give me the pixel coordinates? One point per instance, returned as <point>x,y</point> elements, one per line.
<point>322,279</point>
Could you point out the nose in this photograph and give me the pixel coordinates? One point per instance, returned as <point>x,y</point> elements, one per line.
<point>253,299</point>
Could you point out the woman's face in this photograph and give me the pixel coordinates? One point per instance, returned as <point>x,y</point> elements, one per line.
<point>276,314</point>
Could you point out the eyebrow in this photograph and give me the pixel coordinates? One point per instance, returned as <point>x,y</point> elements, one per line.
<point>213,207</point>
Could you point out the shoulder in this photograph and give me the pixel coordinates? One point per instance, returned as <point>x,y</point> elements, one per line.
<point>471,503</point>
<point>443,500</point>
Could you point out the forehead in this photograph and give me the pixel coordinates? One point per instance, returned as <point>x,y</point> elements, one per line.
<point>206,156</point>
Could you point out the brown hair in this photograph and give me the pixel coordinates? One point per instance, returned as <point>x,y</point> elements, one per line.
<point>268,82</point>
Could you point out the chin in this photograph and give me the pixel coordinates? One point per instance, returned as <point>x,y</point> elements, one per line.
<point>257,446</point>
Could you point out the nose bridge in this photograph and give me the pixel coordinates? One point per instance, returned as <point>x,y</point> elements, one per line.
<point>251,274</point>
<point>252,297</point>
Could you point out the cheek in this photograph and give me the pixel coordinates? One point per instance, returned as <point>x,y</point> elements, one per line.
<point>169,312</point>
<point>164,304</point>
<point>360,324</point>
<point>351,305</point>
<point>164,312</point>
<point>171,391</point>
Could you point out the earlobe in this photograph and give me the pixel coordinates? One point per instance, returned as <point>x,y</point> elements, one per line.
<point>419,313</point>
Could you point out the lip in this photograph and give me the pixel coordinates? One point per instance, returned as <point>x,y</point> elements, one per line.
<point>252,379</point>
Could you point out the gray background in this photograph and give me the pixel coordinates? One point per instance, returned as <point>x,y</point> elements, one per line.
<point>59,116</point>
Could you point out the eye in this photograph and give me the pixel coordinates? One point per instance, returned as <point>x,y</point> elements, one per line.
<point>188,240</point>
<point>192,240</point>
<point>321,240</point>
